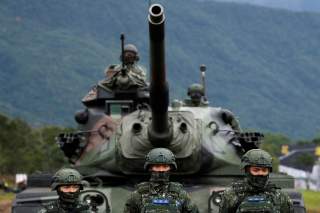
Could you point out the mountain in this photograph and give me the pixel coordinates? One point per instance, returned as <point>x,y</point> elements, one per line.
<point>263,64</point>
<point>295,5</point>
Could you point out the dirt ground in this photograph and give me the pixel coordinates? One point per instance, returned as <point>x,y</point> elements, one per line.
<point>5,206</point>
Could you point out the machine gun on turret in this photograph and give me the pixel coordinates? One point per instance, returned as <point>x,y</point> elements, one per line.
<point>123,67</point>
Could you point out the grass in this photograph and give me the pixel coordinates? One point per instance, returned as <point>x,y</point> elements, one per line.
<point>312,200</point>
<point>6,196</point>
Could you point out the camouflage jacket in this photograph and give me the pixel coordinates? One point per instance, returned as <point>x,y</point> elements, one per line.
<point>242,197</point>
<point>135,70</point>
<point>57,207</point>
<point>161,198</point>
<point>135,75</point>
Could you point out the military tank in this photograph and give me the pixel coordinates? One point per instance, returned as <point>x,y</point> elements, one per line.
<point>124,118</point>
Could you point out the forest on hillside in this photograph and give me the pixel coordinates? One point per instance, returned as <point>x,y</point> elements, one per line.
<point>262,64</point>
<point>24,149</point>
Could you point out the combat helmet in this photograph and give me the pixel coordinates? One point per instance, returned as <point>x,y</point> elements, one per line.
<point>195,89</point>
<point>66,176</point>
<point>256,157</point>
<point>132,48</point>
<point>160,156</point>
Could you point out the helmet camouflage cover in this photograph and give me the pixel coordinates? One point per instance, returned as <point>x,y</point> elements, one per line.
<point>160,156</point>
<point>130,48</point>
<point>196,88</point>
<point>256,157</point>
<point>66,176</point>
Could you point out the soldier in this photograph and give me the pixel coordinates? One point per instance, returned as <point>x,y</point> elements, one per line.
<point>134,75</point>
<point>126,76</point>
<point>67,183</point>
<point>255,194</point>
<point>196,93</point>
<point>131,57</point>
<point>159,195</point>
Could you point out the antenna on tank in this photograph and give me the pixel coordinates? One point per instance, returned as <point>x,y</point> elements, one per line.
<point>203,69</point>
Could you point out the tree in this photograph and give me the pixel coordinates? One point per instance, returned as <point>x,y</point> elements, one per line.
<point>26,149</point>
<point>272,144</point>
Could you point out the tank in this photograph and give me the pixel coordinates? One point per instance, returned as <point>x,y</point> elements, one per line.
<point>125,117</point>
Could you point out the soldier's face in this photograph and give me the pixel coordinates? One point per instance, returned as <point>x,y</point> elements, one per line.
<point>256,170</point>
<point>69,188</point>
<point>129,57</point>
<point>160,168</point>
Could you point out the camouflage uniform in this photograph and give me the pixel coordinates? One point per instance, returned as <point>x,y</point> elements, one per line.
<point>135,75</point>
<point>60,207</point>
<point>159,195</point>
<point>242,197</point>
<point>255,194</point>
<point>132,66</point>
<point>67,202</point>
<point>135,70</point>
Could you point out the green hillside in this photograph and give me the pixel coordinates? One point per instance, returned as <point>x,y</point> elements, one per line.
<point>263,64</point>
<point>24,149</point>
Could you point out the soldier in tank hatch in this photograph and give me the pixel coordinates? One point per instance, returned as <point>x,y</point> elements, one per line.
<point>196,94</point>
<point>131,57</point>
<point>127,74</point>
<point>159,194</point>
<point>255,193</point>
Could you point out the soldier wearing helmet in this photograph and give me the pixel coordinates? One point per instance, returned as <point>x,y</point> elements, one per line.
<point>196,94</point>
<point>159,194</point>
<point>67,183</point>
<point>131,54</point>
<point>134,75</point>
<point>130,59</point>
<point>255,193</point>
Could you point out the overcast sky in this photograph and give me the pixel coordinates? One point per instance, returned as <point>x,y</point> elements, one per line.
<point>297,5</point>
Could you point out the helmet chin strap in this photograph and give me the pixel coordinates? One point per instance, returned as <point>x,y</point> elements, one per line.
<point>160,176</point>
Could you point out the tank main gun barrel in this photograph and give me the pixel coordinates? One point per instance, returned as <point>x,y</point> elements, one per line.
<point>160,130</point>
